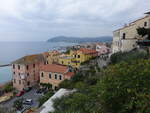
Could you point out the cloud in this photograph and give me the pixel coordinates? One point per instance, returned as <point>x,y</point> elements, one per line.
<point>46,18</point>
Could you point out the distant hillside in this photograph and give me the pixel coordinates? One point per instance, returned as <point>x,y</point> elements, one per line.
<point>80,40</point>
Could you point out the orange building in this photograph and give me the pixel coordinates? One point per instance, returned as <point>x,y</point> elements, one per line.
<point>54,74</point>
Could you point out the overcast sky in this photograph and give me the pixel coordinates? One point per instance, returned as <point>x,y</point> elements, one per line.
<point>39,20</point>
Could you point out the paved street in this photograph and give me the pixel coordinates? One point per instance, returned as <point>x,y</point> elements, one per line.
<point>29,95</point>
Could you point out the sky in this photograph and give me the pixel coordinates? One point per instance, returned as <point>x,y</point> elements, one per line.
<point>39,20</point>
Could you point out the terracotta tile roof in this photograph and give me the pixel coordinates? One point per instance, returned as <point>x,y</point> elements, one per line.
<point>30,59</point>
<point>54,68</point>
<point>69,74</point>
<point>45,53</point>
<point>87,51</point>
<point>55,52</point>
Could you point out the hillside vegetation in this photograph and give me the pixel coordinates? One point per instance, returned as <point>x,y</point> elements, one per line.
<point>123,87</point>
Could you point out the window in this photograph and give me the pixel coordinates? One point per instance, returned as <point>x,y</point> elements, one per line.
<point>13,66</point>
<point>42,74</point>
<point>14,80</point>
<point>27,67</point>
<point>50,75</point>
<point>145,24</point>
<point>55,87</point>
<point>55,76</point>
<point>124,35</point>
<point>33,65</point>
<point>19,81</point>
<point>28,83</point>
<point>60,77</point>
<point>19,67</point>
<point>78,56</point>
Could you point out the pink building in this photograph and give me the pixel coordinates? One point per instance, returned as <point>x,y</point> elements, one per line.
<point>26,71</point>
<point>102,49</point>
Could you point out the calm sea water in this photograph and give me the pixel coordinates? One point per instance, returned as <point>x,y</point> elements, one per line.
<point>10,51</point>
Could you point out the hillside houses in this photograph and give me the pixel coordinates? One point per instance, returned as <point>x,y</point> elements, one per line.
<point>49,67</point>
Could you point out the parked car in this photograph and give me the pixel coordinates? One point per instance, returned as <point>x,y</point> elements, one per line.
<point>27,89</point>
<point>20,93</point>
<point>28,102</point>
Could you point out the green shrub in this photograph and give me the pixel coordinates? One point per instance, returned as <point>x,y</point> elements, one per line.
<point>128,56</point>
<point>8,87</point>
<point>125,88</point>
<point>44,98</point>
<point>122,88</point>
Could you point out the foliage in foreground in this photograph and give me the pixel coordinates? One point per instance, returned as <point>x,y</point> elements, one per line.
<point>45,97</point>
<point>128,56</point>
<point>123,88</point>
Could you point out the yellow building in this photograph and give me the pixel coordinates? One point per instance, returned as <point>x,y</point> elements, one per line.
<point>52,57</point>
<point>75,58</point>
<point>124,39</point>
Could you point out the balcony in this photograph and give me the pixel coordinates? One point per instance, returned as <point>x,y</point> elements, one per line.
<point>22,76</point>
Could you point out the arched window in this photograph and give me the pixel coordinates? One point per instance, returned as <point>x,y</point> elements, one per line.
<point>55,76</point>
<point>124,35</point>
<point>27,67</point>
<point>42,74</point>
<point>50,75</point>
<point>60,77</point>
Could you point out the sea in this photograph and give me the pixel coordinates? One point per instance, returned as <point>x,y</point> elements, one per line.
<point>11,51</point>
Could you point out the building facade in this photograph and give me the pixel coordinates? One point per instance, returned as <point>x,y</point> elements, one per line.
<point>125,39</point>
<point>54,74</point>
<point>76,57</point>
<point>25,71</point>
<point>102,49</point>
<point>53,57</point>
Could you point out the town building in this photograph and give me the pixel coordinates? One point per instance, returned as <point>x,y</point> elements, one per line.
<point>25,71</point>
<point>54,74</point>
<point>102,49</point>
<point>125,39</point>
<point>53,57</point>
<point>76,57</point>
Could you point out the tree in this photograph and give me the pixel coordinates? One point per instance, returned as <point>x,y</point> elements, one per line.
<point>144,31</point>
<point>8,87</point>
<point>18,104</point>
<point>45,98</point>
<point>128,56</point>
<point>125,88</point>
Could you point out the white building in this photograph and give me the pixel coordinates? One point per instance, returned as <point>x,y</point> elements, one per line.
<point>124,39</point>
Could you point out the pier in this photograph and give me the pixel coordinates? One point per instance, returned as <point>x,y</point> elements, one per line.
<point>5,65</point>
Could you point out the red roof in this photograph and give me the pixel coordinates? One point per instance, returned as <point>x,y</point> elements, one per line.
<point>69,74</point>
<point>87,51</point>
<point>54,68</point>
